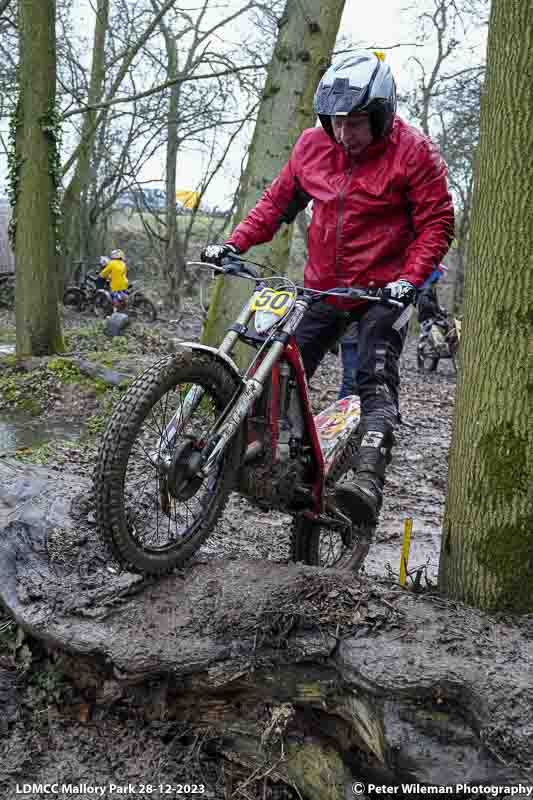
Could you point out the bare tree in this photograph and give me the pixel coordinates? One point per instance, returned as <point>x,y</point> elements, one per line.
<point>458,113</point>
<point>73,197</point>
<point>206,113</point>
<point>81,157</point>
<point>445,102</point>
<point>128,113</point>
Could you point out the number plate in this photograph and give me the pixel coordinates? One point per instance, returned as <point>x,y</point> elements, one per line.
<point>276,302</point>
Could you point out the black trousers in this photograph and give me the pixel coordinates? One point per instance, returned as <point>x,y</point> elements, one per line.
<point>382,332</point>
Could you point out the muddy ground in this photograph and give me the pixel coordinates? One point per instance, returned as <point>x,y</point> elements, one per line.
<point>45,730</point>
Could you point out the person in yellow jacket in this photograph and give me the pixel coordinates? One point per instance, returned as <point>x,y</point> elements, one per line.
<point>116,273</point>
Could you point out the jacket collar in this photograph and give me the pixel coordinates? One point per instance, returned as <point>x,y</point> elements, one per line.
<point>377,147</point>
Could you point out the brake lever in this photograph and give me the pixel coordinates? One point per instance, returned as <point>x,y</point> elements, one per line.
<point>377,297</point>
<point>385,300</point>
<point>234,266</point>
<point>395,303</point>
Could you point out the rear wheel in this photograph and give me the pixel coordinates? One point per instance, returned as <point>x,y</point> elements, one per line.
<point>152,507</point>
<point>142,308</point>
<point>102,306</point>
<point>315,544</point>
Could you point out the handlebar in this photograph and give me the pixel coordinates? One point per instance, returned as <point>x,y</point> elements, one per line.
<point>232,265</point>
<point>361,293</point>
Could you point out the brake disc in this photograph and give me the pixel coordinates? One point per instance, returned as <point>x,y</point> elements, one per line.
<point>183,477</point>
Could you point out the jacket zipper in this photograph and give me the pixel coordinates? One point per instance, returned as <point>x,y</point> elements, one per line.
<point>339,220</point>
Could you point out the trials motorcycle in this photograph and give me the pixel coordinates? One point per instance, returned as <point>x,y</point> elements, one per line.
<point>439,338</point>
<point>192,428</point>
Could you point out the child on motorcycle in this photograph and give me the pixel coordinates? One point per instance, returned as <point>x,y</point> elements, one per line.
<point>116,273</point>
<point>383,217</point>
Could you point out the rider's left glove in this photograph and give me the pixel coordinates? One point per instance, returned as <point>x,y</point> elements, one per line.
<point>215,253</point>
<point>402,291</point>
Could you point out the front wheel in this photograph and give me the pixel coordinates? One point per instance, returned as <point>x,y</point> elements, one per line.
<point>153,508</point>
<point>315,544</point>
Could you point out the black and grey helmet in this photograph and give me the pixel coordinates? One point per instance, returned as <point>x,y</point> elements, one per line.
<point>358,82</point>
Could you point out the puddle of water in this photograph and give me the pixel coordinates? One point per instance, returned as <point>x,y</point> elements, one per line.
<point>20,430</point>
<point>7,349</point>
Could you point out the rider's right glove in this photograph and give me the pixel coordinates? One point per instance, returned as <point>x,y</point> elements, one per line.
<point>402,291</point>
<point>215,253</point>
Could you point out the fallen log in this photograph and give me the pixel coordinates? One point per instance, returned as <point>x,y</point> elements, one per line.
<point>111,377</point>
<point>307,678</point>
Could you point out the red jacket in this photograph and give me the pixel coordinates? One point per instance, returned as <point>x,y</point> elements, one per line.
<point>385,217</point>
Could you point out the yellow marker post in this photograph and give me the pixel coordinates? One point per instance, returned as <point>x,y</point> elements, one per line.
<point>406,544</point>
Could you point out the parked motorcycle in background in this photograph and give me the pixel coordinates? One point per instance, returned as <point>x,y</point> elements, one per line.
<point>439,338</point>
<point>81,297</point>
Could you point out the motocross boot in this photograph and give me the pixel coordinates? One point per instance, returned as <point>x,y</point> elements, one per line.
<point>359,494</point>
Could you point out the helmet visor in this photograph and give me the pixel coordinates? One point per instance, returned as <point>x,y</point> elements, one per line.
<point>339,97</point>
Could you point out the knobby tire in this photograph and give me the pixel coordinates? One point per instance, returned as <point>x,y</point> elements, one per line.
<point>113,506</point>
<point>142,308</point>
<point>308,538</point>
<point>73,298</point>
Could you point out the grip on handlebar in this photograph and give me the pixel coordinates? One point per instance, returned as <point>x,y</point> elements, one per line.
<point>235,266</point>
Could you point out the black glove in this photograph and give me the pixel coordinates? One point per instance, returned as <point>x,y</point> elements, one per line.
<point>402,291</point>
<point>215,253</point>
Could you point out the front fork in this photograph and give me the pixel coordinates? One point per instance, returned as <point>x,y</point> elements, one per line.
<point>162,451</point>
<point>229,423</point>
<point>252,388</point>
<point>233,417</point>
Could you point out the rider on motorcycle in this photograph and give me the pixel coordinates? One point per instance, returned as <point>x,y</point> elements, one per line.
<point>116,272</point>
<point>383,217</point>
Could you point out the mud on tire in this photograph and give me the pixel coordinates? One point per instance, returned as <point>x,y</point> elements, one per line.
<point>318,546</point>
<point>123,509</point>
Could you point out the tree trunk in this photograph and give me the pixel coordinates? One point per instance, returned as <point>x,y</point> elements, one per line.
<point>459,284</point>
<point>487,552</point>
<point>74,207</point>
<point>37,312</point>
<point>174,261</point>
<point>461,238</point>
<point>303,48</point>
